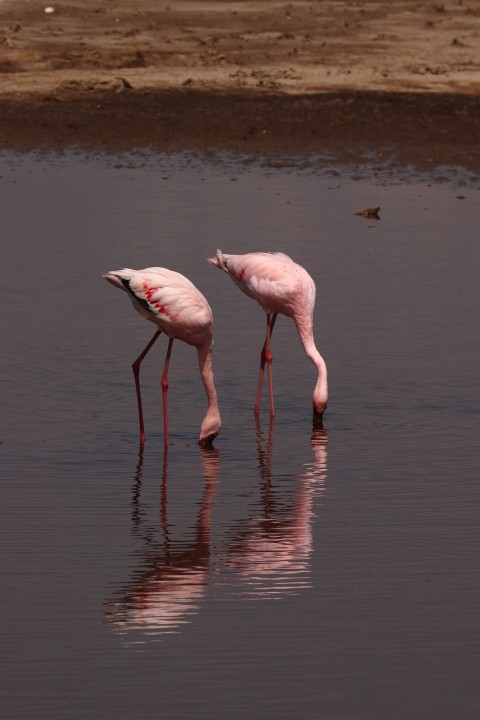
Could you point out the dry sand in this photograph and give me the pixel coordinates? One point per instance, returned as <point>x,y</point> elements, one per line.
<point>400,79</point>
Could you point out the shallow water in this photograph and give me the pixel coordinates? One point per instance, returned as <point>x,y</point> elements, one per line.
<point>288,573</point>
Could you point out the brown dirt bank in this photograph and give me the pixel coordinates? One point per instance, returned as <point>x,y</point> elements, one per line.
<point>400,79</point>
<point>423,129</point>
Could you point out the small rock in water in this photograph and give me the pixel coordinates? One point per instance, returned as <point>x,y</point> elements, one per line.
<point>370,213</point>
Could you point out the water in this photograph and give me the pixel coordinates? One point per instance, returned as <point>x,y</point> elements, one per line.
<point>288,573</point>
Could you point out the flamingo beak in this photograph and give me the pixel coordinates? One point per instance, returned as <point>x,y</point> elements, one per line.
<point>317,420</point>
<point>207,442</point>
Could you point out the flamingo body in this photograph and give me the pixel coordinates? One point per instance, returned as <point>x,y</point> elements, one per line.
<point>280,286</point>
<point>274,280</point>
<point>168,299</point>
<point>179,310</point>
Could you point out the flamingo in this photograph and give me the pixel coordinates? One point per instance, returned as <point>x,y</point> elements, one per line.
<point>280,286</point>
<point>179,310</point>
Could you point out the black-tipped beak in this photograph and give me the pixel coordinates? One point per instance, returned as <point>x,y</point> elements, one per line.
<point>317,420</point>
<point>207,443</point>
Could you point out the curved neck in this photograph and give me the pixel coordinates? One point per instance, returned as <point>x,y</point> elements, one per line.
<point>206,370</point>
<point>320,394</point>
<point>211,422</point>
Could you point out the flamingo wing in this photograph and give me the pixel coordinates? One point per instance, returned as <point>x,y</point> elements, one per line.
<point>272,279</point>
<point>154,290</point>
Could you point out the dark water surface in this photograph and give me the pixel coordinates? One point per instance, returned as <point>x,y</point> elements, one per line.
<point>287,574</point>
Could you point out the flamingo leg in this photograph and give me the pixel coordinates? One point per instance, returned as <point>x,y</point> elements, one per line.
<point>163,498</point>
<point>266,357</point>
<point>136,373</point>
<point>165,392</point>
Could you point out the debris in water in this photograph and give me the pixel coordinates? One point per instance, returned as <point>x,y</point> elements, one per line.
<point>369,213</point>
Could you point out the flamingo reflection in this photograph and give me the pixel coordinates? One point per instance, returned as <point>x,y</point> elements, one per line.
<point>272,551</point>
<point>168,585</point>
<point>267,554</point>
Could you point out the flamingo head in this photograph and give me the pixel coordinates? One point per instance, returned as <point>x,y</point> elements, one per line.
<point>207,442</point>
<point>319,407</point>
<point>219,261</point>
<point>317,421</point>
<point>210,428</point>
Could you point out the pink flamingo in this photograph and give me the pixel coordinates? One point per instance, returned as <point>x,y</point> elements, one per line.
<point>279,285</point>
<point>174,304</point>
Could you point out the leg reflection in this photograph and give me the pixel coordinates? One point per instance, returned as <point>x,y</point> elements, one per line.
<point>137,486</point>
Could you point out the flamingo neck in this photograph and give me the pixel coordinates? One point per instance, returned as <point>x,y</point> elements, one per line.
<point>320,393</point>
<point>211,422</point>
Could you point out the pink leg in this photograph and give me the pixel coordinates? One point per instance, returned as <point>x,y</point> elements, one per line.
<point>163,498</point>
<point>164,393</point>
<point>136,374</point>
<point>266,357</point>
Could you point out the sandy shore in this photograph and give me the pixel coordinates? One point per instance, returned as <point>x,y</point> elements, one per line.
<point>400,79</point>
